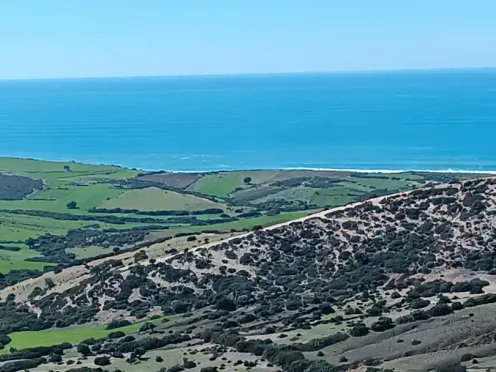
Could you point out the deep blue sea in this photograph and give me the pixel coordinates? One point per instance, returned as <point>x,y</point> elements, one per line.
<point>429,120</point>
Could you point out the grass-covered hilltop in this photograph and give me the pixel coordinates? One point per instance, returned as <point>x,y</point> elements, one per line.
<point>104,268</point>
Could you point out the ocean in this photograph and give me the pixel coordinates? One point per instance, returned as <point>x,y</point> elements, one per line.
<point>419,120</point>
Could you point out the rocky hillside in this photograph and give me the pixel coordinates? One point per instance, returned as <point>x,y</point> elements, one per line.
<point>328,292</point>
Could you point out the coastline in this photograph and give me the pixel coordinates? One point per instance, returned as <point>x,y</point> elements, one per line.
<point>428,122</point>
<point>296,168</point>
<point>452,171</point>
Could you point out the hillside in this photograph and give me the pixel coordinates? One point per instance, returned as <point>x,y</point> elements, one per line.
<point>402,282</point>
<point>55,215</point>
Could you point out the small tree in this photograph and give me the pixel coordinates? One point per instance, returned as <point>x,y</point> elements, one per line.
<point>71,205</point>
<point>49,283</point>
<point>102,361</point>
<point>67,168</point>
<point>247,180</point>
<point>139,352</point>
<point>225,304</point>
<point>84,349</point>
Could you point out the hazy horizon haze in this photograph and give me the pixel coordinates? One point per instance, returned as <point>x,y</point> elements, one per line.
<point>127,38</point>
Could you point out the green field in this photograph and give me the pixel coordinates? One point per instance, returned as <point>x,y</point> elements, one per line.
<point>367,184</point>
<point>293,194</point>
<point>74,335</point>
<point>55,199</point>
<point>154,199</point>
<point>333,196</point>
<point>52,171</point>
<point>95,186</point>
<point>246,223</point>
<point>18,227</point>
<point>222,184</point>
<point>86,196</point>
<point>10,260</point>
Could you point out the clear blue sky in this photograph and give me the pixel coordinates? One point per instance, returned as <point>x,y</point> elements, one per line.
<point>82,38</point>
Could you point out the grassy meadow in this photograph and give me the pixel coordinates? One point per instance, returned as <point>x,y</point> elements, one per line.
<point>154,199</point>
<point>74,335</point>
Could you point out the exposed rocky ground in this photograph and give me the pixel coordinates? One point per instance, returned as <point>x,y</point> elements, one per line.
<point>403,283</point>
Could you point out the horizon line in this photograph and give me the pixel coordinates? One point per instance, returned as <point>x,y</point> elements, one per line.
<point>255,74</point>
<point>254,169</point>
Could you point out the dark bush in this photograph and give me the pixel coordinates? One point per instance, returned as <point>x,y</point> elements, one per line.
<point>209,369</point>
<point>22,365</point>
<point>139,352</point>
<point>118,323</point>
<point>117,334</point>
<point>83,349</point>
<point>440,310</point>
<point>419,303</point>
<point>383,324</point>
<point>55,358</point>
<point>395,295</point>
<point>359,330</point>
<point>180,307</point>
<point>188,364</point>
<point>454,367</point>
<point>175,368</point>
<point>102,361</point>
<point>225,304</point>
<point>455,306</point>
<point>148,326</point>
<point>326,308</point>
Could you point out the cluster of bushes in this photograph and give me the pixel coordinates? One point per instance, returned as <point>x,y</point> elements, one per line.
<point>17,187</point>
<point>250,214</point>
<point>315,182</point>
<point>383,324</point>
<point>9,248</point>
<point>117,323</point>
<point>53,247</point>
<point>16,276</point>
<point>31,358</point>
<point>481,300</point>
<point>320,343</point>
<point>282,205</point>
<point>180,217</point>
<point>158,213</point>
<point>115,220</point>
<point>14,317</point>
<point>177,299</point>
<point>436,287</point>
<point>288,357</point>
<point>116,346</point>
<point>444,307</point>
<point>20,365</point>
<point>144,184</point>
